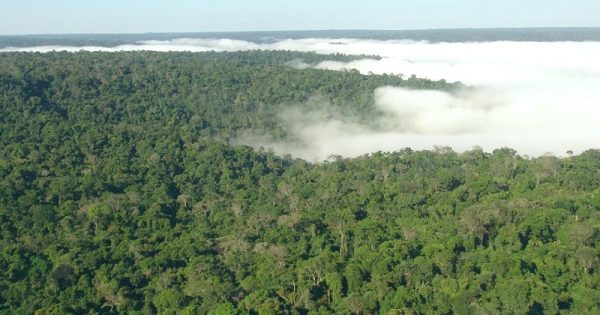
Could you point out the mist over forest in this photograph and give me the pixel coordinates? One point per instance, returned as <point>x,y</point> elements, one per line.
<point>309,172</point>
<point>516,94</point>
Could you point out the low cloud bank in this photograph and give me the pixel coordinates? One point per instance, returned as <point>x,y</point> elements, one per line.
<point>535,97</point>
<point>423,119</point>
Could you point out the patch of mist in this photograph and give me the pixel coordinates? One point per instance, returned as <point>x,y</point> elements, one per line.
<point>298,64</point>
<point>534,97</point>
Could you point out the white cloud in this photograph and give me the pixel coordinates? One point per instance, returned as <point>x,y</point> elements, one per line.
<point>535,97</point>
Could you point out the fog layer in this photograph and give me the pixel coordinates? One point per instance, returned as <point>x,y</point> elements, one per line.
<point>535,97</point>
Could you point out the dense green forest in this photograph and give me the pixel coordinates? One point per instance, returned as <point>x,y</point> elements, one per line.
<point>119,193</point>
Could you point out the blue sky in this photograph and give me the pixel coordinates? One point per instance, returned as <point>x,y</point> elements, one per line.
<point>132,16</point>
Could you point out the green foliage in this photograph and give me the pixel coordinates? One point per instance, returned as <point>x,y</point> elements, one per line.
<point>117,194</point>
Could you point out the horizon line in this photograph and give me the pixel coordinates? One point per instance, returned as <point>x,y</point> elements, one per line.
<point>312,30</point>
